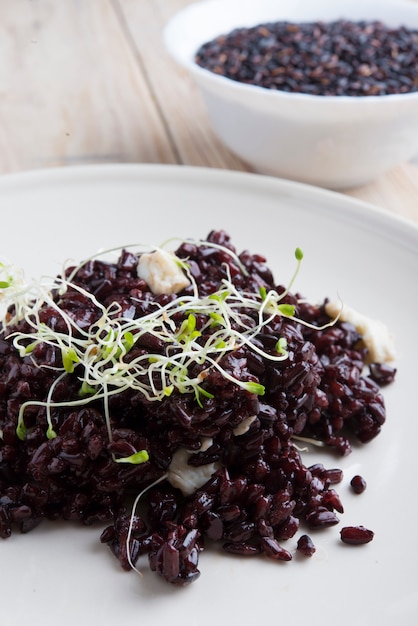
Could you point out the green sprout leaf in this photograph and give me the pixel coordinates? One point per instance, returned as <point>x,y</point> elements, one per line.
<point>135,459</point>
<point>286,309</point>
<point>182,264</point>
<point>187,330</point>
<point>21,430</point>
<point>128,341</point>
<point>50,433</point>
<point>30,348</point>
<point>199,391</point>
<point>281,346</point>
<point>217,318</point>
<point>219,296</point>
<point>298,254</point>
<point>256,388</point>
<point>86,390</point>
<point>263,293</point>
<point>69,358</point>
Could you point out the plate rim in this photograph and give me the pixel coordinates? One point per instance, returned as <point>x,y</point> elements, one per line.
<point>157,174</point>
<point>355,208</point>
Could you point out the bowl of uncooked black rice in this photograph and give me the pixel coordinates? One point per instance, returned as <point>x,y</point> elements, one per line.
<point>167,396</point>
<point>320,92</point>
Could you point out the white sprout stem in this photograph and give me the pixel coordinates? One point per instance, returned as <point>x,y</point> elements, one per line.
<point>106,411</point>
<point>132,518</point>
<point>48,404</point>
<point>310,440</point>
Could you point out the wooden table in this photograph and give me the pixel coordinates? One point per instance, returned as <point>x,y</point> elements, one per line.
<point>89,81</point>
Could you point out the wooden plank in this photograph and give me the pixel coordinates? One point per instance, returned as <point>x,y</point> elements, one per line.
<point>175,92</point>
<point>71,90</point>
<point>397,191</point>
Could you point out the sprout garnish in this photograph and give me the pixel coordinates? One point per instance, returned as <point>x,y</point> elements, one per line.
<point>138,457</point>
<point>97,355</point>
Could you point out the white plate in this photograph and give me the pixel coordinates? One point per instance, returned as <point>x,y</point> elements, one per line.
<point>61,574</point>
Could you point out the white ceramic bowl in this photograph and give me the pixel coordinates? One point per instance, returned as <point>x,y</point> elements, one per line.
<point>331,141</point>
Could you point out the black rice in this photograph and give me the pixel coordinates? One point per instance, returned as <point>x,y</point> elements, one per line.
<point>356,535</point>
<point>339,58</point>
<point>260,493</point>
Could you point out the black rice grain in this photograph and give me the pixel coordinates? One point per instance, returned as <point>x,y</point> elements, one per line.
<point>306,546</point>
<point>358,484</point>
<point>356,535</point>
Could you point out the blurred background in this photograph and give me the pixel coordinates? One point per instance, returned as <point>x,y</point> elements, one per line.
<point>90,81</point>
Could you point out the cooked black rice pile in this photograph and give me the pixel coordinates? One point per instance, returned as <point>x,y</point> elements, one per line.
<point>262,492</point>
